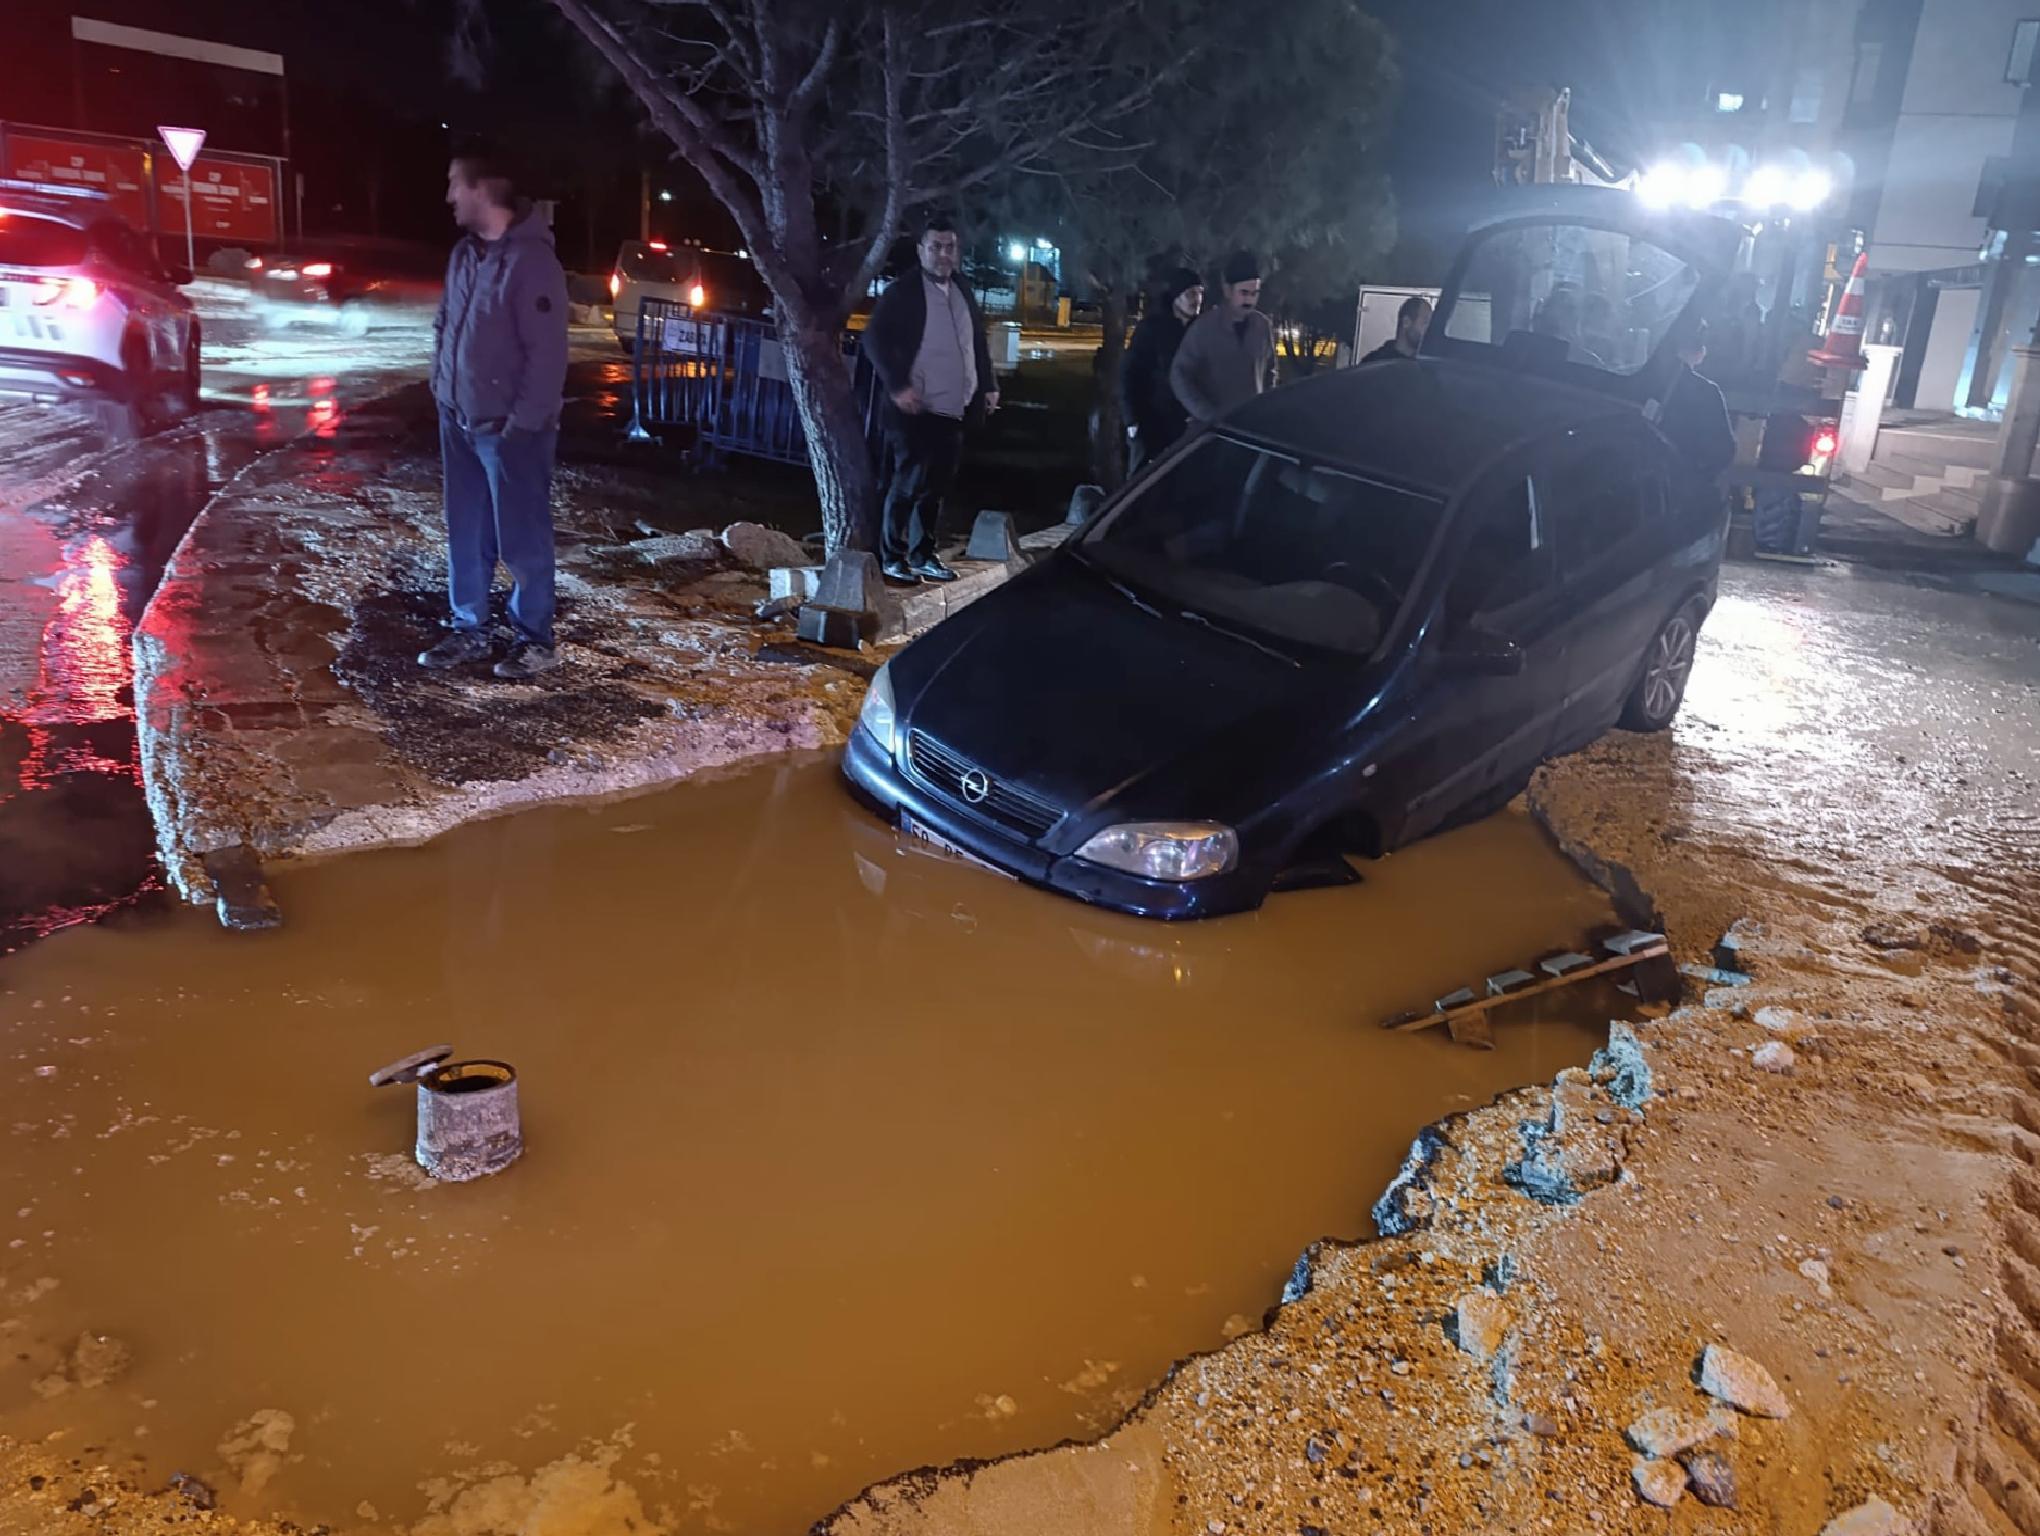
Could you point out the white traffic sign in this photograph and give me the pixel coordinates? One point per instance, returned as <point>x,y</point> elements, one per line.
<point>185,143</point>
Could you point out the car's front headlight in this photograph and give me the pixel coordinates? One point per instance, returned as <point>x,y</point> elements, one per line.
<point>877,716</point>
<point>1165,850</point>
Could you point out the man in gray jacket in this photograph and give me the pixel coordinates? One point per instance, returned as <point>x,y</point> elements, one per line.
<point>1228,354</point>
<point>499,368</point>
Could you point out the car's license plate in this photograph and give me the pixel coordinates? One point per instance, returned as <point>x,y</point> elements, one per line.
<point>927,834</point>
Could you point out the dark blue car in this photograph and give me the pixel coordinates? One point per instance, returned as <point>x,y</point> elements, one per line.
<point>1361,609</point>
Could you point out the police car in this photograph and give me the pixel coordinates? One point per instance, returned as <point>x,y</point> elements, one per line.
<point>89,313</point>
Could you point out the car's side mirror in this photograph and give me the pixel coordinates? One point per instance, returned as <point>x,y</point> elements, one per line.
<point>1476,653</point>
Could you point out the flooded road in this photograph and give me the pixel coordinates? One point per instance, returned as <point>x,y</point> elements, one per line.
<point>85,531</point>
<point>841,1157</point>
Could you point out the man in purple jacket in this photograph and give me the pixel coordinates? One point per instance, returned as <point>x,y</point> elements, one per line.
<point>499,368</point>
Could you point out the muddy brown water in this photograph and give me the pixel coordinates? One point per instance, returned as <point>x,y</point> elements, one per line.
<point>841,1158</point>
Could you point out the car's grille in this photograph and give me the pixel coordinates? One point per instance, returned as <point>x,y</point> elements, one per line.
<point>942,770</point>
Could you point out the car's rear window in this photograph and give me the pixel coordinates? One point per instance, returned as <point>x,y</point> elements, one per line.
<point>1255,538</point>
<point>718,271</point>
<point>28,240</point>
<point>1603,298</point>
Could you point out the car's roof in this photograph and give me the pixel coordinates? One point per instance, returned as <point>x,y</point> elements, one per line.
<point>77,206</point>
<point>1424,423</point>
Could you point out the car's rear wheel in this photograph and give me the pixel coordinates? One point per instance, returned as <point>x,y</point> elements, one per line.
<point>125,416</point>
<point>1667,664</point>
<point>193,380</point>
<point>354,318</point>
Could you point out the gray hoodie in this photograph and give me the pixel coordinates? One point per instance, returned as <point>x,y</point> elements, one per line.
<point>1225,360</point>
<point>499,342</point>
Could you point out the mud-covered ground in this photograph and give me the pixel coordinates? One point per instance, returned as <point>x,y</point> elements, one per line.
<point>1829,1174</point>
<point>1827,1171</point>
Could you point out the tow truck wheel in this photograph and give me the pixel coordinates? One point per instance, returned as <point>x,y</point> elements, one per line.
<point>1667,664</point>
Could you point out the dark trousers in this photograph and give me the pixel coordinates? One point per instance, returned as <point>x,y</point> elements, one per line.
<point>499,506</point>
<point>926,450</point>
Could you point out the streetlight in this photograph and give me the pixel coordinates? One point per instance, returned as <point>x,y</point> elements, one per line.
<point>1016,252</point>
<point>665,197</point>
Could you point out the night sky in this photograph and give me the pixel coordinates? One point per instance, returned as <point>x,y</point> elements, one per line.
<point>371,82</point>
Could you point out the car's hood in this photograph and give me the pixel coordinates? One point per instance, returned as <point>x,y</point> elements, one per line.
<point>1061,685</point>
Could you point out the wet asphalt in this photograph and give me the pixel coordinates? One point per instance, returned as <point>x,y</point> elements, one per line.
<point>86,528</point>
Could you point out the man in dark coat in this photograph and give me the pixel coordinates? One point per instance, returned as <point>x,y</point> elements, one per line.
<point>1411,321</point>
<point>926,342</point>
<point>1694,418</point>
<point>1153,414</point>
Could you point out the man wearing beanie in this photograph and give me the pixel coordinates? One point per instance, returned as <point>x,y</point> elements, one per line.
<point>1228,355</point>
<point>1153,413</point>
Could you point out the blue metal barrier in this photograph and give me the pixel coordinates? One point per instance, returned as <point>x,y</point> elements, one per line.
<point>724,376</point>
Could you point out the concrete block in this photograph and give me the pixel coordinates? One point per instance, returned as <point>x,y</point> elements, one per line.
<point>242,895</point>
<point>992,538</point>
<point>838,627</point>
<point>851,581</point>
<point>795,581</point>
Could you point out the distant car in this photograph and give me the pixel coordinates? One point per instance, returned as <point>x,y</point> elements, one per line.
<point>718,282</point>
<point>1357,611</point>
<point>353,284</point>
<point>88,313</point>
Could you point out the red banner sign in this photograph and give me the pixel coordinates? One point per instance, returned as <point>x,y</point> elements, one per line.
<point>236,200</point>
<point>115,169</point>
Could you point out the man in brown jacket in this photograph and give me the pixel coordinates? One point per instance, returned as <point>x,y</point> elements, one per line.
<point>1228,354</point>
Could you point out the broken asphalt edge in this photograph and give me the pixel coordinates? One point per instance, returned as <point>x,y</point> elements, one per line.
<point>198,794</point>
<point>185,868</point>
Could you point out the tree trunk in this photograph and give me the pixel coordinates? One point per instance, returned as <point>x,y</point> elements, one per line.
<point>1108,447</point>
<point>820,378</point>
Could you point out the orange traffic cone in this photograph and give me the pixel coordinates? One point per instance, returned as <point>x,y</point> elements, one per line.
<point>1844,347</point>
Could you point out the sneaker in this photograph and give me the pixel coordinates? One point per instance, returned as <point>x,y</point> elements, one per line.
<point>900,573</point>
<point>934,570</point>
<point>457,649</point>
<point>527,659</point>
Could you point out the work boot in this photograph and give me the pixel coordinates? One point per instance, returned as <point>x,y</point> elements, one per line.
<point>932,569</point>
<point>900,573</point>
<point>527,659</point>
<point>457,649</point>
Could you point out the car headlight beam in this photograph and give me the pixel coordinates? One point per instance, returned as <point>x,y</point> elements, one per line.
<point>1165,850</point>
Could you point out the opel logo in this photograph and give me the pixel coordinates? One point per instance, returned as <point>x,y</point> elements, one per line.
<point>976,784</point>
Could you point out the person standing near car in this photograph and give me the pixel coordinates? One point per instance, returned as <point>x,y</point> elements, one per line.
<point>1694,417</point>
<point>1154,415</point>
<point>1412,319</point>
<point>926,342</point>
<point>1228,354</point>
<point>499,369</point>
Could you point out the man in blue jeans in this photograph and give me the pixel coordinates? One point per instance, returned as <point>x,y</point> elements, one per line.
<point>499,368</point>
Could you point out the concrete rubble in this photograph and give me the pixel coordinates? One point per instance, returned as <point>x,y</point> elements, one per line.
<point>1741,1383</point>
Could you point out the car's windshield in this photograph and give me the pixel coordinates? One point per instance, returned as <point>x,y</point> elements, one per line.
<point>1256,539</point>
<point>1603,299</point>
<point>29,241</point>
